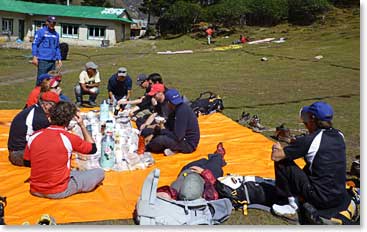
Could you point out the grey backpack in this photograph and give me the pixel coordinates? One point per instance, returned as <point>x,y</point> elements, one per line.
<point>153,210</point>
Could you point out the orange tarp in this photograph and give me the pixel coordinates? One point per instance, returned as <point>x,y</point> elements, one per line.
<point>248,153</point>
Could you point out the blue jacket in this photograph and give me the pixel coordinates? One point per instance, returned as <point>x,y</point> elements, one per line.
<point>46,44</point>
<point>119,88</point>
<point>324,152</point>
<point>184,125</point>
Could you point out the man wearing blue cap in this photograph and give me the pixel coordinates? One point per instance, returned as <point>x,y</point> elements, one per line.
<point>182,133</point>
<point>45,48</point>
<point>321,183</point>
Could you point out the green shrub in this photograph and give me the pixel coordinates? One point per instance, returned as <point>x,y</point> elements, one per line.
<point>226,12</point>
<point>304,12</point>
<point>179,17</point>
<point>266,12</point>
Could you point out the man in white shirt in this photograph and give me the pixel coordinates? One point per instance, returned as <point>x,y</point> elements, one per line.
<point>89,80</point>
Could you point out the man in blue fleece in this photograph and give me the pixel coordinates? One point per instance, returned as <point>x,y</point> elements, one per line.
<point>45,48</point>
<point>182,132</point>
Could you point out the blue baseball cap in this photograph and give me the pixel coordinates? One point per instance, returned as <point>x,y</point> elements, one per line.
<point>43,77</point>
<point>321,110</point>
<point>51,19</point>
<point>173,96</point>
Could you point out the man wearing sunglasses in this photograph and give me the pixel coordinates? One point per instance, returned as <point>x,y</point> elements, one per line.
<point>321,182</point>
<point>46,49</point>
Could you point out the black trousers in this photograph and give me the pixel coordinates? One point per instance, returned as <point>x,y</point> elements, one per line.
<point>161,142</point>
<point>291,180</point>
<point>214,163</point>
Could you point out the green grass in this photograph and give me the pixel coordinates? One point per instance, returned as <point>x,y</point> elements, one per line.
<point>275,90</point>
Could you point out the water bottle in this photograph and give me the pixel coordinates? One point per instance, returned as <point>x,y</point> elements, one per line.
<point>107,151</point>
<point>104,111</point>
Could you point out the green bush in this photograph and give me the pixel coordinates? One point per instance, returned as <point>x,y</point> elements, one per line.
<point>266,12</point>
<point>304,12</point>
<point>227,12</point>
<point>179,17</point>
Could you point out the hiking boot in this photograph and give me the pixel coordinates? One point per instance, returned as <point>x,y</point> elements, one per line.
<point>287,212</point>
<point>355,168</point>
<point>168,152</point>
<point>220,150</point>
<point>254,123</point>
<point>244,118</point>
<point>311,214</point>
<point>283,134</point>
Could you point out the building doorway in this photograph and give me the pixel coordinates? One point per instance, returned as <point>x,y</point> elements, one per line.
<point>21,29</point>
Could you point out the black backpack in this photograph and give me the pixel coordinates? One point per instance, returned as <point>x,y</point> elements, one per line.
<point>207,104</point>
<point>247,191</point>
<point>2,209</point>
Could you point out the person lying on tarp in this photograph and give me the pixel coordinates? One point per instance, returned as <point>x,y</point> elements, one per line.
<point>28,121</point>
<point>322,181</point>
<point>197,179</point>
<point>51,175</point>
<point>181,132</point>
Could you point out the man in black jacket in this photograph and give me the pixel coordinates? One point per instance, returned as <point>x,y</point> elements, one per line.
<point>322,181</point>
<point>28,121</point>
<point>182,133</point>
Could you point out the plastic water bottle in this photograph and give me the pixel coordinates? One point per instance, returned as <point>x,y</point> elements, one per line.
<point>104,111</point>
<point>107,151</point>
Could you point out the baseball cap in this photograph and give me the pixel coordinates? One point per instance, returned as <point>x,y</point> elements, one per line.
<point>91,65</point>
<point>189,185</point>
<point>173,96</point>
<point>155,89</point>
<point>122,72</point>
<point>321,110</point>
<point>43,77</point>
<point>141,78</point>
<point>50,97</point>
<point>51,19</point>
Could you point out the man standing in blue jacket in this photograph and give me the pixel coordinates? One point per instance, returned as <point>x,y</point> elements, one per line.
<point>45,48</point>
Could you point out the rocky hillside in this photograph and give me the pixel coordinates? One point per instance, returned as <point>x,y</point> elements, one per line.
<point>131,5</point>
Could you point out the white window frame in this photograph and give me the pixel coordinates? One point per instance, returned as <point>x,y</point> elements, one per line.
<point>94,28</point>
<point>72,35</point>
<point>7,25</point>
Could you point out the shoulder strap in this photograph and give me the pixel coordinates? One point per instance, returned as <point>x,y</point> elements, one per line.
<point>149,190</point>
<point>211,95</point>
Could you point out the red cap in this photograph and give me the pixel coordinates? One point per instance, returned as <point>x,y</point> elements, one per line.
<point>53,83</point>
<point>50,96</point>
<point>156,88</point>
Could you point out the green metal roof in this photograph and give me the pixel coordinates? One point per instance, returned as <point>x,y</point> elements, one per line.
<point>90,12</point>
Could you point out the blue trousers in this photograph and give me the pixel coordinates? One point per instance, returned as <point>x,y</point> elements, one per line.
<point>44,66</point>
